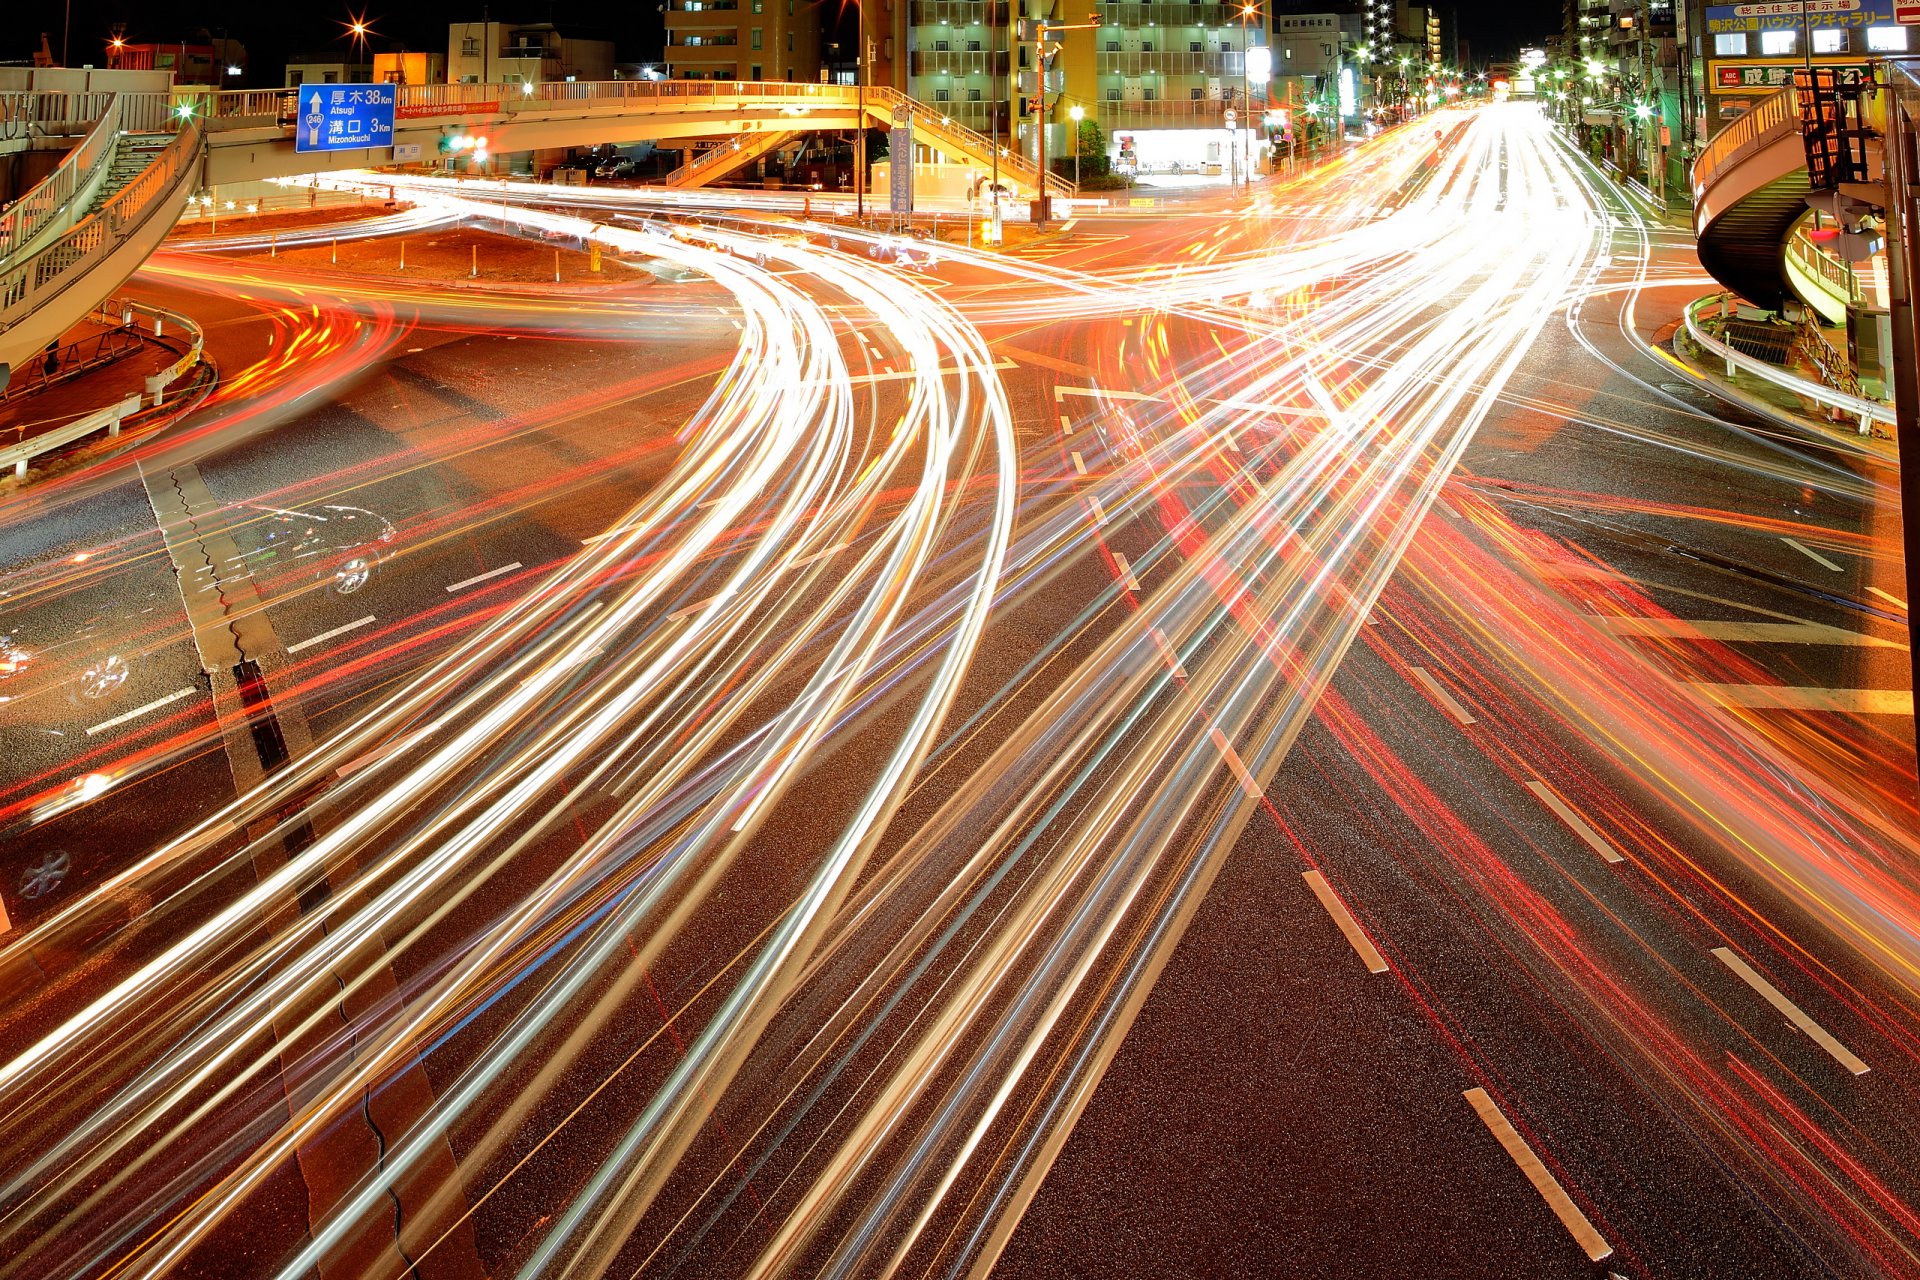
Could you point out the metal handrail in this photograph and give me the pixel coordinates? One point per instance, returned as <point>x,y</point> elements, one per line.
<point>1773,115</point>
<point>51,195</point>
<point>1867,412</point>
<point>1823,264</point>
<point>53,268</point>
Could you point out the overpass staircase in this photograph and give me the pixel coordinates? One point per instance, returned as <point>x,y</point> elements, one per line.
<point>1752,181</point>
<point>728,157</point>
<point>89,224</point>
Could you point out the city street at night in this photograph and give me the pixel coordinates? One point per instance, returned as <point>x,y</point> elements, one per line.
<point>1281,727</point>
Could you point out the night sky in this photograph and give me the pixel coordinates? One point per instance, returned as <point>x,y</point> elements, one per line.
<point>1496,28</point>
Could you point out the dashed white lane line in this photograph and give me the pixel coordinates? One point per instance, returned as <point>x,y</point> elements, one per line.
<point>325,636</point>
<point>1889,597</point>
<point>1234,763</point>
<point>1741,632</point>
<point>1126,572</point>
<point>1441,696</point>
<point>1576,1223</point>
<point>1099,512</point>
<point>1167,652</point>
<point>1595,841</point>
<point>1779,697</point>
<point>822,552</point>
<point>1811,554</point>
<point>1349,927</point>
<point>1793,1012</point>
<point>137,712</point>
<point>481,577</point>
<point>1079,463</point>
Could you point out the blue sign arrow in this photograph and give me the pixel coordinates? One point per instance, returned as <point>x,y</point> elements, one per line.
<point>345,117</point>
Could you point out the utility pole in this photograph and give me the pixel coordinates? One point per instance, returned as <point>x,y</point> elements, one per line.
<point>1035,32</point>
<point>861,58</point>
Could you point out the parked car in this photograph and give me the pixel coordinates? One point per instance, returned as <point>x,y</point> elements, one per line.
<point>618,167</point>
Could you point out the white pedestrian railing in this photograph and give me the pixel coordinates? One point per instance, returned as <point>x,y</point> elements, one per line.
<point>154,193</point>
<point>108,420</point>
<point>1865,412</point>
<point>51,196</point>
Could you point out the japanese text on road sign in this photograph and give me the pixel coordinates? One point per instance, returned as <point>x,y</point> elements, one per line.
<point>345,117</point>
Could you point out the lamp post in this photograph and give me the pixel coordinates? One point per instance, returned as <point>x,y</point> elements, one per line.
<point>1077,113</point>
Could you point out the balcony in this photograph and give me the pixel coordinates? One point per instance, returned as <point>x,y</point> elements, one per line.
<point>1173,114</point>
<point>933,62</point>
<point>1125,13</point>
<point>702,40</point>
<point>1138,62</point>
<point>956,13</point>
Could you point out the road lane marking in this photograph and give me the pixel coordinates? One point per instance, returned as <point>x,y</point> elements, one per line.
<point>1551,798</point>
<point>1349,927</point>
<point>1099,512</point>
<point>1441,696</point>
<point>1779,697</point>
<point>137,712</point>
<point>324,636</point>
<point>1889,597</point>
<point>1793,1012</point>
<point>1576,1223</point>
<point>1167,652</point>
<point>697,606</point>
<point>824,551</point>
<point>1232,757</point>
<point>1101,393</point>
<point>1810,553</point>
<point>1079,463</point>
<point>1742,632</point>
<point>1126,572</point>
<point>482,577</point>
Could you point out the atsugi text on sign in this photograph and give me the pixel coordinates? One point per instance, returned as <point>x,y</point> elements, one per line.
<point>345,117</point>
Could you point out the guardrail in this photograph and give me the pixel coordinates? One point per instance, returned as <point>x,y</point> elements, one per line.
<point>1867,412</point>
<point>108,419</point>
<point>50,196</point>
<point>50,113</point>
<point>53,268</point>
<point>1777,112</point>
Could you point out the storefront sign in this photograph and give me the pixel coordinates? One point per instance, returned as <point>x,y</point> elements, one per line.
<point>1786,15</point>
<point>1751,76</point>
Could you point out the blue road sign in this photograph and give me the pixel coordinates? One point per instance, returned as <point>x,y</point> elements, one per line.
<point>345,117</point>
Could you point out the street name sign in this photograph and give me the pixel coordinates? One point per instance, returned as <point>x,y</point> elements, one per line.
<point>345,117</point>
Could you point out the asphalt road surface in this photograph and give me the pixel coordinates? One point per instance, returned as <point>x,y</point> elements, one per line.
<point>1254,737</point>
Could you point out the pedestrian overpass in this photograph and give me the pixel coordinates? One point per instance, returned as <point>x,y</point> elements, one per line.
<point>72,240</point>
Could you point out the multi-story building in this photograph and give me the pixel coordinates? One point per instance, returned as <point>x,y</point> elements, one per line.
<point>743,39</point>
<point>524,53</point>
<point>403,66</point>
<point>326,68</point>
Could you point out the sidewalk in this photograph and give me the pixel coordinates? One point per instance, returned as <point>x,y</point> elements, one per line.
<point>43,411</point>
<point>1767,399</point>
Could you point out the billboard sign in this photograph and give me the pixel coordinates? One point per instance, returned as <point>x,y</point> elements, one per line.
<point>345,117</point>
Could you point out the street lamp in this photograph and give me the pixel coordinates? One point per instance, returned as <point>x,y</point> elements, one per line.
<point>1077,113</point>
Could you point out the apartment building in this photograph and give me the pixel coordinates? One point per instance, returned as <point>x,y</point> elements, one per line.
<point>524,53</point>
<point>743,40</point>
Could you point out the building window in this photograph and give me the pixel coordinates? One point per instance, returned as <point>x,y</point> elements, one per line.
<point>942,46</point>
<point>1827,40</point>
<point>1194,46</point>
<point>469,47</point>
<point>756,73</point>
<point>1149,95</point>
<point>1777,44</point>
<point>973,46</point>
<point>1113,95</point>
<point>757,5</point>
<point>973,95</point>
<point>1731,44</point>
<point>330,77</point>
<point>1887,39</point>
<point>1146,46</point>
<point>943,95</point>
<point>753,41</point>
<point>1196,94</point>
<point>295,78</point>
<point>789,42</point>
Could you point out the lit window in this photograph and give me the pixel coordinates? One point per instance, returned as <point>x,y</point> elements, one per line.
<point>1829,41</point>
<point>1777,44</point>
<point>1731,44</point>
<point>1887,39</point>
